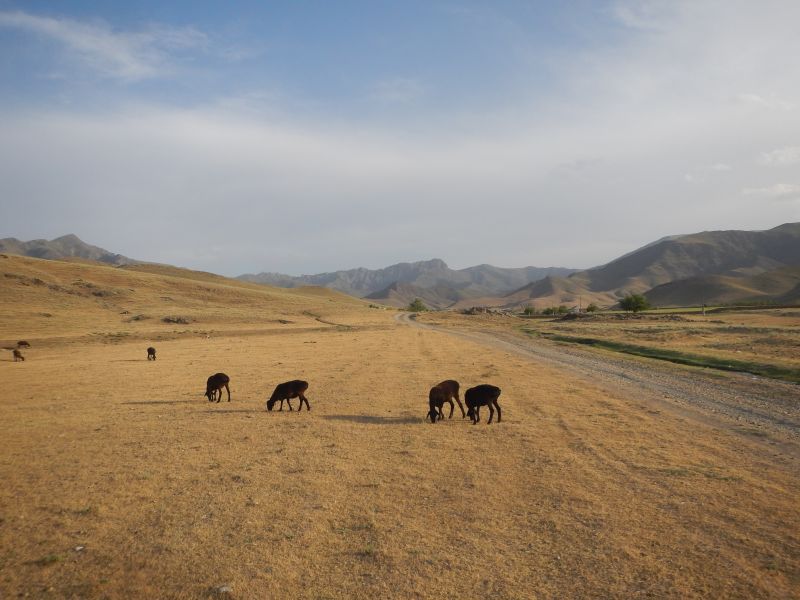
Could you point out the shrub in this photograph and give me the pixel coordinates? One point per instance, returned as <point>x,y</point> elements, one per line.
<point>178,320</point>
<point>417,306</point>
<point>592,308</point>
<point>528,311</point>
<point>634,303</point>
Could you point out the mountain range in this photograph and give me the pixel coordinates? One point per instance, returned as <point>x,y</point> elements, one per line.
<point>686,263</point>
<point>710,267</point>
<point>432,281</point>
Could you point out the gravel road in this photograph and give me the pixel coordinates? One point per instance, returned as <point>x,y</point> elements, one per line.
<point>737,401</point>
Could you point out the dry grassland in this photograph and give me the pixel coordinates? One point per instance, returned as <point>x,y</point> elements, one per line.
<point>119,480</point>
<point>771,336</point>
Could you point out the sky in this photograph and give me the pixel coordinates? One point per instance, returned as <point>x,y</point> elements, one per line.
<point>309,136</point>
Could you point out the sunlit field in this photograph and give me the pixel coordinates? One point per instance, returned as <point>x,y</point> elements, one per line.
<point>121,480</point>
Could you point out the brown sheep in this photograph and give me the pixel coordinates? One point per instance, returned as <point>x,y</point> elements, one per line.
<point>18,356</point>
<point>451,387</point>
<point>288,390</point>
<point>482,395</point>
<point>441,393</point>
<point>436,399</point>
<point>151,353</point>
<point>214,387</point>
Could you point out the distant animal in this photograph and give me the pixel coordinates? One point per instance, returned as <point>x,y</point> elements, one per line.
<point>443,392</point>
<point>214,387</point>
<point>482,395</point>
<point>18,356</point>
<point>23,344</point>
<point>151,353</point>
<point>288,390</point>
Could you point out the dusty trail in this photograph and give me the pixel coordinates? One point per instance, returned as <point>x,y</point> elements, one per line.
<point>738,402</point>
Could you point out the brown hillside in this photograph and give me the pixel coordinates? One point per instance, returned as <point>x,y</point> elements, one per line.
<point>54,298</point>
<point>722,253</point>
<point>779,285</point>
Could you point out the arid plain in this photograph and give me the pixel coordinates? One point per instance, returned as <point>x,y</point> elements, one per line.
<point>120,480</point>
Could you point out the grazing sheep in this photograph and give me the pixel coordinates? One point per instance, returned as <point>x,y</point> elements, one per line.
<point>151,353</point>
<point>451,387</point>
<point>214,387</point>
<point>23,344</point>
<point>18,356</point>
<point>288,390</point>
<point>482,395</point>
<point>436,399</point>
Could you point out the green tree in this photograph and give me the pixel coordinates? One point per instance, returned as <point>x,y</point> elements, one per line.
<point>417,306</point>
<point>592,308</point>
<point>634,303</point>
<point>529,310</point>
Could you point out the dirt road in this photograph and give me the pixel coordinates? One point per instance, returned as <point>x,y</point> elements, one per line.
<point>751,405</point>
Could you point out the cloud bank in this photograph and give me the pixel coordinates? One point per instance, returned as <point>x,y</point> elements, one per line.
<point>684,120</point>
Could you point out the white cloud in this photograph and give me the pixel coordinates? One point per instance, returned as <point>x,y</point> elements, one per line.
<point>704,172</point>
<point>778,191</point>
<point>769,101</point>
<point>127,56</point>
<point>642,14</point>
<point>400,90</point>
<point>781,157</point>
<point>550,183</point>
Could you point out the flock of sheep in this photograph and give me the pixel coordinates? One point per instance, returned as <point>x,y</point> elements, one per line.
<point>444,392</point>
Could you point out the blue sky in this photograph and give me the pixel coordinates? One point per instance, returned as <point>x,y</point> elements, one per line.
<point>311,136</point>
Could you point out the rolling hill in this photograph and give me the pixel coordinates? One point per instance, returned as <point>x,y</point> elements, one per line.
<point>65,299</point>
<point>779,285</point>
<point>64,247</point>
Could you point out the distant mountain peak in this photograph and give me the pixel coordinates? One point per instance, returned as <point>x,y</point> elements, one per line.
<point>70,237</point>
<point>66,246</point>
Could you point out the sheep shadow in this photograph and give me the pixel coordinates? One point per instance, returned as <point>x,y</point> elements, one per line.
<point>222,411</point>
<point>374,420</point>
<point>144,402</point>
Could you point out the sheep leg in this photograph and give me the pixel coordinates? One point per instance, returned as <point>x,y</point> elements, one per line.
<point>289,402</point>
<point>229,392</point>
<point>219,395</point>
<point>452,408</point>
<point>497,406</point>
<point>281,408</point>
<point>461,406</point>
<point>491,413</point>
<point>304,399</point>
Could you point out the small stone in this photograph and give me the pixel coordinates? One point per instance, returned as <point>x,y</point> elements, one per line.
<point>79,548</point>
<point>224,589</point>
